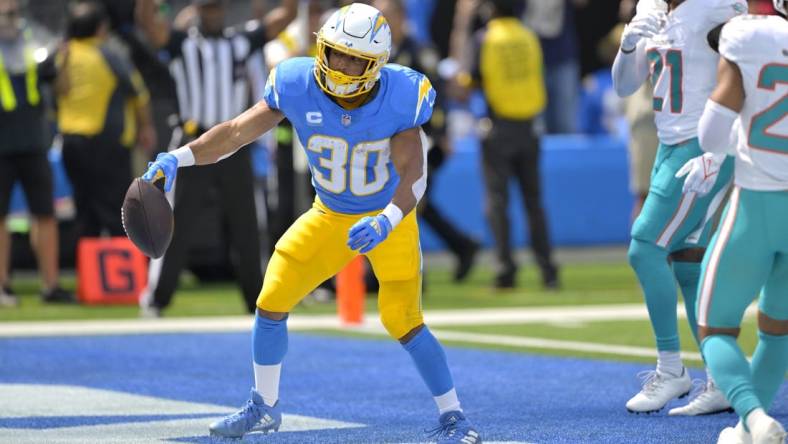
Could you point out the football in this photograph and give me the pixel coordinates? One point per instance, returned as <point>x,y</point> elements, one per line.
<point>147,218</point>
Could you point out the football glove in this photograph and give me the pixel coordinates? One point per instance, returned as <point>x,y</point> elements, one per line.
<point>701,172</point>
<point>644,25</point>
<point>368,232</point>
<point>166,166</point>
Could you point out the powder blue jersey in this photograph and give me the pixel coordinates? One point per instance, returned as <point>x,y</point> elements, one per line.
<point>348,150</point>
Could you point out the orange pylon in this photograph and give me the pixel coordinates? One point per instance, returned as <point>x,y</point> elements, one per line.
<point>351,291</point>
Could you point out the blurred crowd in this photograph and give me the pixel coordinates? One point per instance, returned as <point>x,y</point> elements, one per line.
<point>93,90</point>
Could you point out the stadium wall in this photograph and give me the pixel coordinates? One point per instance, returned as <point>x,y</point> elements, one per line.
<point>585,193</point>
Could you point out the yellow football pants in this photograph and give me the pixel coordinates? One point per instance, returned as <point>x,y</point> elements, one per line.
<point>315,248</point>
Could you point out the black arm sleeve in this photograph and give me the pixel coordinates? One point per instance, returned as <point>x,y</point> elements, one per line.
<point>713,37</point>
<point>47,70</point>
<point>175,44</point>
<point>476,55</point>
<point>256,33</point>
<point>122,70</point>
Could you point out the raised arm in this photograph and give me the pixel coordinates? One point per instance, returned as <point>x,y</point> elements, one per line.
<point>630,69</point>
<point>408,154</point>
<point>278,18</point>
<point>218,143</point>
<point>155,26</point>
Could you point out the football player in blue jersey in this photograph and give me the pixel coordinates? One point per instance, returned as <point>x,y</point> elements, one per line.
<point>359,121</point>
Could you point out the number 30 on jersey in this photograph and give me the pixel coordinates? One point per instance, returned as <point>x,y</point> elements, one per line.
<point>368,162</point>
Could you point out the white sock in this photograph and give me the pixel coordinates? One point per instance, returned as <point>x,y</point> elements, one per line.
<point>266,382</point>
<point>709,378</point>
<point>669,362</point>
<point>447,402</point>
<point>753,417</point>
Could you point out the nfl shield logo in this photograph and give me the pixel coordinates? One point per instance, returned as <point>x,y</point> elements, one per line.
<point>345,119</point>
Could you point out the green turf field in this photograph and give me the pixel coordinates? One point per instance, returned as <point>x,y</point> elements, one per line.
<point>584,283</point>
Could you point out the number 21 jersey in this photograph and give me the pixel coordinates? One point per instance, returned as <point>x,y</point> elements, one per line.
<point>684,67</point>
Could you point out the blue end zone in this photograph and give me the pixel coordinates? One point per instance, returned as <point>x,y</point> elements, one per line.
<point>509,396</point>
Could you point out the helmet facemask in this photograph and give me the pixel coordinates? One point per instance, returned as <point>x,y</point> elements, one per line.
<point>358,31</point>
<point>340,84</point>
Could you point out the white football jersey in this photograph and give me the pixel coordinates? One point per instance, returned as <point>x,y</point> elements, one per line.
<point>683,67</point>
<point>758,44</point>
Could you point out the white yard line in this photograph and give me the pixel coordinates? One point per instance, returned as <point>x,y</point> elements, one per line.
<point>169,419</point>
<point>561,315</point>
<point>537,343</point>
<point>555,344</point>
<point>570,315</point>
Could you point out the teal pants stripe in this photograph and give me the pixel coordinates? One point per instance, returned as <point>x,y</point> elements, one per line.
<point>664,225</point>
<point>748,255</point>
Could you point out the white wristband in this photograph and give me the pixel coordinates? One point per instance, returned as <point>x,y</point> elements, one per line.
<point>184,155</point>
<point>714,129</point>
<point>393,214</point>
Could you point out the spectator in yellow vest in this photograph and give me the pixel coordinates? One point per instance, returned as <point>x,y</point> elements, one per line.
<point>23,150</point>
<point>507,65</point>
<point>102,113</point>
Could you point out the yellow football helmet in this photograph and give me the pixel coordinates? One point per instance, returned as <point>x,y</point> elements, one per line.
<point>360,31</point>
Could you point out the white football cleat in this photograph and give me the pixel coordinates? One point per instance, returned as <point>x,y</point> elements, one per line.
<point>734,435</point>
<point>708,402</point>
<point>658,390</point>
<point>767,431</point>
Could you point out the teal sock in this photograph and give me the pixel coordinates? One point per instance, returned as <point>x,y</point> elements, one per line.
<point>659,289</point>
<point>731,372</point>
<point>769,363</point>
<point>688,275</point>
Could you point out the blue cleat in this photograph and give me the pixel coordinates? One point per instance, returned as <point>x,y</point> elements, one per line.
<point>254,416</point>
<point>454,428</point>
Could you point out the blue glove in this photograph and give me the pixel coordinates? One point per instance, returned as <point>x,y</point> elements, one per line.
<point>166,166</point>
<point>368,232</point>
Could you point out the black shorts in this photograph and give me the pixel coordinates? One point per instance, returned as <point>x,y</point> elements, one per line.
<point>35,174</point>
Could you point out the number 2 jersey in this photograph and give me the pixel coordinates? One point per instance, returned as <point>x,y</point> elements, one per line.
<point>348,150</point>
<point>683,66</point>
<point>758,45</point>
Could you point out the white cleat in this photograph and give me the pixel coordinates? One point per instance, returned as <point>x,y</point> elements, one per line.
<point>658,390</point>
<point>768,431</point>
<point>734,435</point>
<point>708,402</point>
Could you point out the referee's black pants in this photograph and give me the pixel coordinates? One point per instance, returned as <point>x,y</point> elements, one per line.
<point>456,241</point>
<point>512,150</point>
<point>233,179</point>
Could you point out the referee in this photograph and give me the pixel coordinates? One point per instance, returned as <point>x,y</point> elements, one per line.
<point>507,63</point>
<point>209,65</point>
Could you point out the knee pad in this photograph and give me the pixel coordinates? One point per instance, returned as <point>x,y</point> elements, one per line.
<point>397,322</point>
<point>643,254</point>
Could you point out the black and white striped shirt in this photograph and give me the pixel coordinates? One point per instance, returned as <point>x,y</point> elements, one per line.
<point>212,73</point>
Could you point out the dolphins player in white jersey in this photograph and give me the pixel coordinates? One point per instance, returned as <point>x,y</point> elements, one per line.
<point>749,253</point>
<point>667,40</point>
